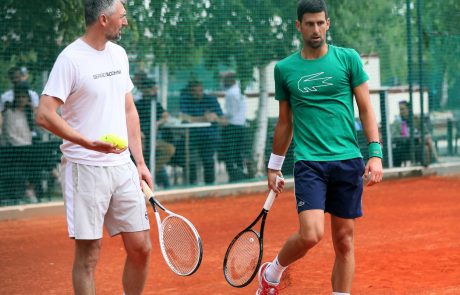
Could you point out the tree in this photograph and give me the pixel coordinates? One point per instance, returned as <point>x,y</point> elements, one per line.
<point>248,34</point>
<point>373,27</point>
<point>171,33</point>
<point>34,32</point>
<point>441,44</point>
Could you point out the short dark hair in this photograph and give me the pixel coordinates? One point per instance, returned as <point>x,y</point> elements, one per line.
<point>310,6</point>
<point>194,83</point>
<point>94,8</point>
<point>404,102</point>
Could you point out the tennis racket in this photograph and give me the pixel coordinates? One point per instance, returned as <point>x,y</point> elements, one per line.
<point>180,242</point>
<point>245,252</point>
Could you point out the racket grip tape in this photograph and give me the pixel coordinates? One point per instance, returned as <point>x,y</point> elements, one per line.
<point>146,189</point>
<point>271,196</point>
<point>269,201</point>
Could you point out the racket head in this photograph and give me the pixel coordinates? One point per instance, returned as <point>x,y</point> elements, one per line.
<point>180,245</point>
<point>243,257</point>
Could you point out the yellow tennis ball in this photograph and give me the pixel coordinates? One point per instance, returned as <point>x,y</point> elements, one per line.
<point>116,140</point>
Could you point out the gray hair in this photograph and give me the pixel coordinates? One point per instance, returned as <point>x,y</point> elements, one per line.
<point>94,8</point>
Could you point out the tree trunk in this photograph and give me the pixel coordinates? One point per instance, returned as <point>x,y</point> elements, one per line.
<point>444,91</point>
<point>258,147</point>
<point>163,89</point>
<point>162,78</point>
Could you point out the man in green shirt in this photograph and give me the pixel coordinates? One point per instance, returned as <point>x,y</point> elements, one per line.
<point>315,88</point>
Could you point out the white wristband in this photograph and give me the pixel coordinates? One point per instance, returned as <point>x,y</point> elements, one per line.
<point>275,162</point>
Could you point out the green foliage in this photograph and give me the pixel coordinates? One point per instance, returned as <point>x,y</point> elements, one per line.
<point>235,33</point>
<point>32,33</point>
<point>246,33</point>
<point>373,27</point>
<point>240,34</point>
<point>172,31</point>
<point>441,34</point>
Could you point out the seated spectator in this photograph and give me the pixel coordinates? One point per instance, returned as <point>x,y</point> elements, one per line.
<point>195,106</point>
<point>18,118</point>
<point>401,130</point>
<point>163,150</point>
<point>235,113</point>
<point>18,75</point>
<point>17,132</point>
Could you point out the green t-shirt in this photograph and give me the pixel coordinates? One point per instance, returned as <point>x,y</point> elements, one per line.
<point>320,93</point>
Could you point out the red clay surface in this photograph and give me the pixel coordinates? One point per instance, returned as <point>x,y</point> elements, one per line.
<point>408,242</point>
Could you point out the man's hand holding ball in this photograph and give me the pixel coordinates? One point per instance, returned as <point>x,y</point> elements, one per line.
<point>118,143</point>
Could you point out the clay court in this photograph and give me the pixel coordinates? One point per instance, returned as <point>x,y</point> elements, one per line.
<point>407,243</point>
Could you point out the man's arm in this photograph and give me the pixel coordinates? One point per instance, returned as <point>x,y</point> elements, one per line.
<point>134,139</point>
<point>48,118</point>
<point>281,139</point>
<point>374,171</point>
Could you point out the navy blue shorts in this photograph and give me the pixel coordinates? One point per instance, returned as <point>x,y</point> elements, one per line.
<point>333,186</point>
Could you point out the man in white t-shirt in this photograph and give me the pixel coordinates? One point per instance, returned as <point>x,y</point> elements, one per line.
<point>90,84</point>
<point>235,130</point>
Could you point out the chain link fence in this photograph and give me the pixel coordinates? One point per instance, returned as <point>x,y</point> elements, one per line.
<point>209,49</point>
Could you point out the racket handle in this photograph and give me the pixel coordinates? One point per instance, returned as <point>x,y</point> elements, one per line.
<point>271,196</point>
<point>146,189</point>
<point>269,201</point>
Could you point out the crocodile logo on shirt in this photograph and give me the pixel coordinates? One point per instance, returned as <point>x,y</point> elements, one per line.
<point>313,82</point>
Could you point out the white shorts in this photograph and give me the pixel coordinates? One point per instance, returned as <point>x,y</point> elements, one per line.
<point>95,196</point>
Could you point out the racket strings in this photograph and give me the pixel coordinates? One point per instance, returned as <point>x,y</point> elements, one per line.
<point>180,244</point>
<point>243,258</point>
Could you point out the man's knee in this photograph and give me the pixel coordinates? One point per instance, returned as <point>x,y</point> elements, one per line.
<point>309,238</point>
<point>311,228</point>
<point>343,244</point>
<point>87,254</point>
<point>140,251</point>
<point>139,248</point>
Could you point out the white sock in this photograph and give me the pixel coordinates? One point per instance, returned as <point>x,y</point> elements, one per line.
<point>274,271</point>
<point>340,293</point>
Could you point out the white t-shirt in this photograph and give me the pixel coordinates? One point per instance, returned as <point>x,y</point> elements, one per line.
<point>93,85</point>
<point>235,106</point>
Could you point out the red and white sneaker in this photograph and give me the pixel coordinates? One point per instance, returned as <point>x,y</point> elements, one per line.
<point>266,287</point>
